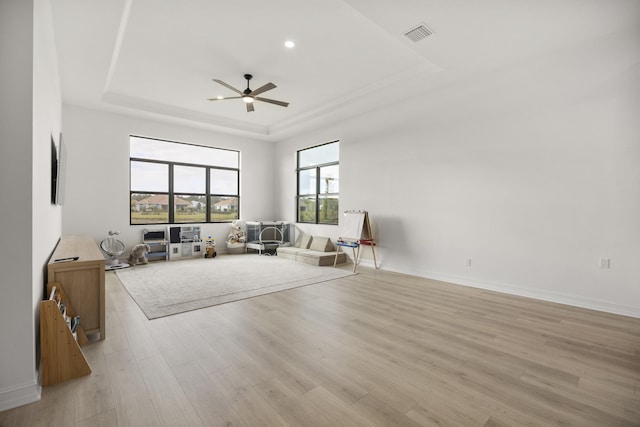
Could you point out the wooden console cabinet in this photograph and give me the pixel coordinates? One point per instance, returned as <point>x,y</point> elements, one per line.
<point>82,280</point>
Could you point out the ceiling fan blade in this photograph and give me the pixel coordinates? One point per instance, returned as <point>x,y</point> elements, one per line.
<point>222,99</point>
<point>227,86</point>
<point>273,101</point>
<point>263,88</point>
<point>249,107</point>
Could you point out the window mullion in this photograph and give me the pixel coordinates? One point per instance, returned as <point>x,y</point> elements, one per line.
<point>207,189</point>
<point>171,196</point>
<point>317,194</point>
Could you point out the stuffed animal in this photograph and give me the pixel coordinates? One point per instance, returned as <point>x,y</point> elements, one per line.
<point>237,233</point>
<point>139,254</point>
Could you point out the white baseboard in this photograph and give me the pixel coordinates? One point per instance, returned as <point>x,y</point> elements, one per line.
<point>557,297</point>
<point>20,395</point>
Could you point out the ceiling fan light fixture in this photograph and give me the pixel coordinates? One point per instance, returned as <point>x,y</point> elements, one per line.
<point>248,96</point>
<point>219,97</point>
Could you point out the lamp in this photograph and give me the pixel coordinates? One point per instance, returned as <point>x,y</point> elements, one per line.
<point>248,99</point>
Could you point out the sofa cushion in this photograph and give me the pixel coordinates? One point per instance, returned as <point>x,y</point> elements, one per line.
<point>321,244</point>
<point>320,258</point>
<point>288,252</point>
<point>303,241</point>
<point>309,256</point>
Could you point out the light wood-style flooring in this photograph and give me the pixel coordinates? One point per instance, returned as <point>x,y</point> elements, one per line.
<point>374,349</point>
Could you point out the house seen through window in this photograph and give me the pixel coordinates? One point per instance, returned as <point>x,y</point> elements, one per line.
<point>318,184</point>
<point>173,182</point>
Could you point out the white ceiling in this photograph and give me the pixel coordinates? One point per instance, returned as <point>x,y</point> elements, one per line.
<point>158,57</point>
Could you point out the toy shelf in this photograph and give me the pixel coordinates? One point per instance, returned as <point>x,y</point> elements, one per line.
<point>157,241</point>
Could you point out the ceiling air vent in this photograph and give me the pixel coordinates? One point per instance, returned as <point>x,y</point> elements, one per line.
<point>418,32</point>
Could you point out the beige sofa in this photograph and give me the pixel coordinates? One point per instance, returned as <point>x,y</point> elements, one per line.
<point>314,250</point>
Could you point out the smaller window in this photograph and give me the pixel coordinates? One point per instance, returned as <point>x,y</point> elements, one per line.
<point>318,175</point>
<point>223,181</point>
<point>307,181</point>
<point>151,177</point>
<point>189,179</point>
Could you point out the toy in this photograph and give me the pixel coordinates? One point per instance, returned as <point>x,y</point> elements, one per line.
<point>210,247</point>
<point>237,234</point>
<point>236,240</point>
<point>113,248</point>
<point>139,254</point>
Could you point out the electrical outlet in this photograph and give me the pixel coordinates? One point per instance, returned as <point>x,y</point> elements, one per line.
<point>467,262</point>
<point>605,263</point>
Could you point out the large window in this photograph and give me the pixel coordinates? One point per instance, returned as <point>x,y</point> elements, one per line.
<point>318,184</point>
<point>172,182</point>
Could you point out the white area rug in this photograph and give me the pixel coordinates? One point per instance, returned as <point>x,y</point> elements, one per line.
<point>165,288</point>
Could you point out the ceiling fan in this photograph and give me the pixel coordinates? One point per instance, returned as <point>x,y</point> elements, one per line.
<point>248,95</point>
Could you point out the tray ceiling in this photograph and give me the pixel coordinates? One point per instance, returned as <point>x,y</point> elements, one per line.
<point>158,58</point>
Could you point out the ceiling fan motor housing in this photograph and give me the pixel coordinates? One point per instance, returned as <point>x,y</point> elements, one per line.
<point>247,91</point>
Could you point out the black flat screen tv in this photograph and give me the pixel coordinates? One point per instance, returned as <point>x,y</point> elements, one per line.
<point>58,171</point>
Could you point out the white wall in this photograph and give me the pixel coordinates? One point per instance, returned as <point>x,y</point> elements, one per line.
<point>97,191</point>
<point>29,115</point>
<point>47,121</point>
<point>531,172</point>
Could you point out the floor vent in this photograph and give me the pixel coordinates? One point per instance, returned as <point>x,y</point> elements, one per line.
<point>418,32</point>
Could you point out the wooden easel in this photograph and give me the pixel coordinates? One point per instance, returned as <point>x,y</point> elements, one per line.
<point>355,231</point>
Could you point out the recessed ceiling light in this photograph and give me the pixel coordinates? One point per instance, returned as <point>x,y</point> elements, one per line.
<point>289,44</point>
